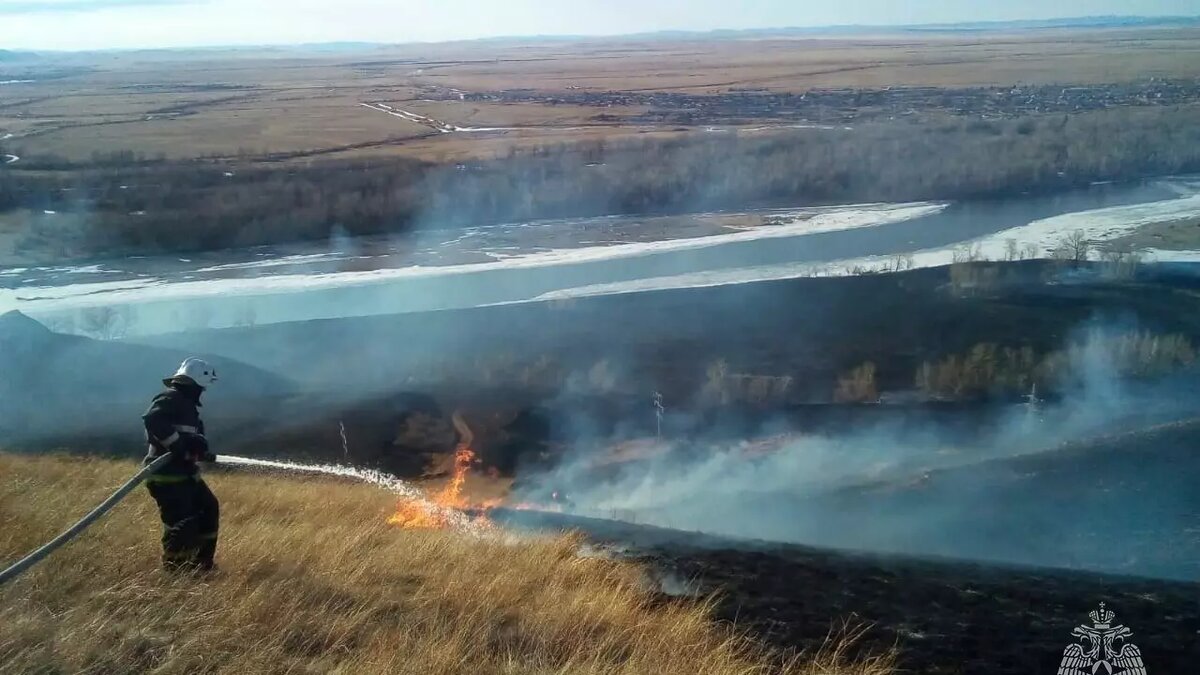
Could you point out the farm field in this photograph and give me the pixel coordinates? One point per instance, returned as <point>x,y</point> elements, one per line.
<point>493,96</point>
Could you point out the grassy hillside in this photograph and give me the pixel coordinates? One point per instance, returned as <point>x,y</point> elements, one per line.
<point>313,580</point>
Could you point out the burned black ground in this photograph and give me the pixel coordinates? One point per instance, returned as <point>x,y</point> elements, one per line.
<point>946,616</point>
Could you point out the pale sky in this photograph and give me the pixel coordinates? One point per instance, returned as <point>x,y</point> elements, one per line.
<point>100,24</point>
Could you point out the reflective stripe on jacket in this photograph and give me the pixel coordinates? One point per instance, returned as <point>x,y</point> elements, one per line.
<point>174,415</point>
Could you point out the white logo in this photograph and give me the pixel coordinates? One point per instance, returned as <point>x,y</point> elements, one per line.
<point>1095,653</point>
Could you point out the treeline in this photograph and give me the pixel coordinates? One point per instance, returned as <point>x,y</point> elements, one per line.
<point>989,370</point>
<point>131,203</point>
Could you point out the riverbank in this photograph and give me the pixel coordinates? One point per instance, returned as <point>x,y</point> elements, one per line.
<point>134,206</point>
<point>559,259</point>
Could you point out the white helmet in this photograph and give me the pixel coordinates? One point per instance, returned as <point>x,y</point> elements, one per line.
<point>196,370</point>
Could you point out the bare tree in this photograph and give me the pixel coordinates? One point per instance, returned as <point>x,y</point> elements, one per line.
<point>858,386</point>
<point>1121,263</point>
<point>1081,246</point>
<point>968,253</point>
<point>924,379</point>
<point>107,323</point>
<point>1010,249</point>
<point>716,384</point>
<point>127,317</point>
<point>246,316</point>
<point>64,323</point>
<point>1074,246</point>
<point>200,317</point>
<point>902,262</point>
<point>99,322</point>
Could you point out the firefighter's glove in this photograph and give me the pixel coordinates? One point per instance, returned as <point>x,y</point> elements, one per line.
<point>195,447</point>
<point>208,456</point>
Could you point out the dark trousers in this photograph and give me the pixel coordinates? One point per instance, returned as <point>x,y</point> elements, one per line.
<point>191,516</point>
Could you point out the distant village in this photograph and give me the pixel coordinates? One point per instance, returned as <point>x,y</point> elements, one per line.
<point>841,106</point>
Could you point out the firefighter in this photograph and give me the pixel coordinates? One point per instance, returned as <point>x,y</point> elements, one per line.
<point>189,510</point>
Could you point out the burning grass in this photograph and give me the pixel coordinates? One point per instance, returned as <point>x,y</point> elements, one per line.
<point>443,509</point>
<point>314,579</point>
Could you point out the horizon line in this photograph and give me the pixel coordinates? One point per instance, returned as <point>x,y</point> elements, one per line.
<point>1096,21</point>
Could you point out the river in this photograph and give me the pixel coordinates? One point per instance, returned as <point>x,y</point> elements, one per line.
<point>442,269</point>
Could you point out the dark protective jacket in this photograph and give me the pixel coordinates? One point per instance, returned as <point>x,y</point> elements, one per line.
<point>173,425</point>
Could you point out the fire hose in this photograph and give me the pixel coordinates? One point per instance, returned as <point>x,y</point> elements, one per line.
<point>383,480</point>
<point>37,556</point>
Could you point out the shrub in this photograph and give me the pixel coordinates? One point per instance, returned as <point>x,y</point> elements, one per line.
<point>857,386</point>
<point>990,370</point>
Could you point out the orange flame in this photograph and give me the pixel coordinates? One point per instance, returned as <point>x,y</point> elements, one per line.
<point>442,510</point>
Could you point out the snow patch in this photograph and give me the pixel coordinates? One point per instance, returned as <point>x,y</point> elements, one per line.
<point>1098,225</point>
<point>88,269</point>
<point>440,126</point>
<point>1164,256</point>
<point>274,262</point>
<point>810,221</point>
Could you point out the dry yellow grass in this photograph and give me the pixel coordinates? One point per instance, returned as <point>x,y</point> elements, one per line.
<point>312,580</point>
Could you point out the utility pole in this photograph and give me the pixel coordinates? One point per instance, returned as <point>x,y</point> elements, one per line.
<point>1033,404</point>
<point>658,411</point>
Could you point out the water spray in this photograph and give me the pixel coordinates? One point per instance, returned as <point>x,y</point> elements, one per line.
<point>377,478</point>
<point>451,517</point>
